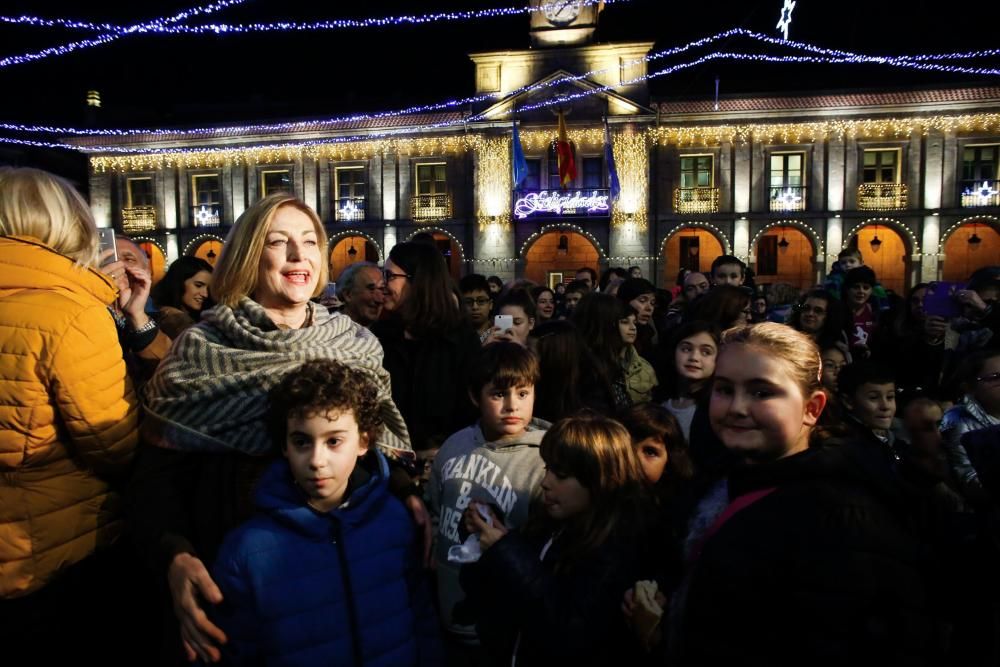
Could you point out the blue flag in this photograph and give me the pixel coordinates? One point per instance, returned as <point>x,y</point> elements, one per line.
<point>520,163</point>
<point>609,157</point>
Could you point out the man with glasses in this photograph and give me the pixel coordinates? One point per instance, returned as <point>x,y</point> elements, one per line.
<point>477,303</point>
<point>362,289</point>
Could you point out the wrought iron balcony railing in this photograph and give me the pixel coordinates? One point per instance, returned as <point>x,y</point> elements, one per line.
<point>790,198</point>
<point>696,200</point>
<point>980,193</point>
<point>881,196</point>
<point>138,219</point>
<point>351,209</point>
<point>430,207</point>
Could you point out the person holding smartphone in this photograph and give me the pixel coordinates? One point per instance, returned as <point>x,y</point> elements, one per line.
<point>72,430</point>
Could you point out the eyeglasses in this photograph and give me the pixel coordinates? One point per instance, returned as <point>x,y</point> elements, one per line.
<point>817,310</point>
<point>992,378</point>
<point>481,301</point>
<point>389,275</point>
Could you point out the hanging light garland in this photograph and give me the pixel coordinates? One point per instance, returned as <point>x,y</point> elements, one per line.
<point>632,162</point>
<point>493,182</point>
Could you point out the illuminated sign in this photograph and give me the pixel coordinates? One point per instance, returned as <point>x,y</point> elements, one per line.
<point>561,203</point>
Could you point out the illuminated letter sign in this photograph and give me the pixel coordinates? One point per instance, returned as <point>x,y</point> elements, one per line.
<point>562,203</point>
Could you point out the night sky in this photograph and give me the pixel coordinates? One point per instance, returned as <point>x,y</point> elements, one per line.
<point>167,80</point>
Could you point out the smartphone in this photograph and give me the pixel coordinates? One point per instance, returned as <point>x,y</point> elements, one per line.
<point>503,322</point>
<point>939,300</point>
<point>106,241</point>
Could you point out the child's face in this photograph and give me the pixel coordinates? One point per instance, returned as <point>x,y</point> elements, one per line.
<point>505,413</point>
<point>322,451</point>
<point>628,329</point>
<point>728,274</point>
<point>858,294</point>
<point>477,306</point>
<point>833,360</point>
<point>758,409</point>
<point>572,298</point>
<point>695,357</point>
<point>850,262</point>
<point>522,323</point>
<point>813,315</point>
<point>653,457</point>
<point>563,496</point>
<point>874,405</point>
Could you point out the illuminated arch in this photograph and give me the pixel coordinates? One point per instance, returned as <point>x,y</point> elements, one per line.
<point>810,234</point>
<point>988,220</point>
<point>192,245</point>
<point>712,229</point>
<point>431,230</point>
<point>904,232</point>
<point>342,233</point>
<point>557,227</point>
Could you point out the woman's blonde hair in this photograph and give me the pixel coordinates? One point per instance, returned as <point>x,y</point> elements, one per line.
<point>796,349</point>
<point>44,206</point>
<point>598,452</point>
<point>236,272</point>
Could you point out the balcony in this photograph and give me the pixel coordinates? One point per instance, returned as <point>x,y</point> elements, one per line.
<point>980,193</point>
<point>696,200</point>
<point>881,196</point>
<point>430,207</point>
<point>351,209</point>
<point>138,219</point>
<point>791,198</point>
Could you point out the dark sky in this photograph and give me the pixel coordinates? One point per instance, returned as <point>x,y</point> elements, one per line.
<point>170,80</point>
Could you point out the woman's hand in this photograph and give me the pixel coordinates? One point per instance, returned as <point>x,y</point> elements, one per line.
<point>497,335</point>
<point>970,298</point>
<point>475,523</point>
<point>188,579</point>
<point>422,518</point>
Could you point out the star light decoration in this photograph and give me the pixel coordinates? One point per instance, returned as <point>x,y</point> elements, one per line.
<point>206,218</point>
<point>985,192</point>
<point>786,17</point>
<point>788,199</point>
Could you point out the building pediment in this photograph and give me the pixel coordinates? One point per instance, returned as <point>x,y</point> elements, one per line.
<point>562,89</point>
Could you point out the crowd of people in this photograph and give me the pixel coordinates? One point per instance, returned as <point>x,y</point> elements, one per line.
<point>227,467</point>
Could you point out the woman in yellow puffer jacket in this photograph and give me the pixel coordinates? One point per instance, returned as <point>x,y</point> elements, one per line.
<point>68,412</point>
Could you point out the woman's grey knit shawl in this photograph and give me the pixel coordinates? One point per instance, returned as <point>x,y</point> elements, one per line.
<point>210,393</point>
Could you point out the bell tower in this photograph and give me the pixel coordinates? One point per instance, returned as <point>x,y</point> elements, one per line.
<point>563,22</point>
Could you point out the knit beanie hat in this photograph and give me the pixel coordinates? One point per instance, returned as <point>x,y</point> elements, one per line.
<point>635,287</point>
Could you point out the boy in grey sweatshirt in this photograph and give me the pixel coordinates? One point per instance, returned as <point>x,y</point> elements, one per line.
<point>494,462</point>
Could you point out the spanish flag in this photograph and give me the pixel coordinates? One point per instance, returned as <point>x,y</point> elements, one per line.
<point>564,152</point>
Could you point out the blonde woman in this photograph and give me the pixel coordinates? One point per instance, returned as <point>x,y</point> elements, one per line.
<point>207,402</point>
<point>68,411</point>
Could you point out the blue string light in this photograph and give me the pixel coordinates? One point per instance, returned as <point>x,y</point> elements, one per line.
<point>108,37</point>
<point>289,26</point>
<point>562,99</point>
<point>836,56</point>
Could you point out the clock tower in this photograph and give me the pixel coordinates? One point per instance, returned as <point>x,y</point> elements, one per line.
<point>563,22</point>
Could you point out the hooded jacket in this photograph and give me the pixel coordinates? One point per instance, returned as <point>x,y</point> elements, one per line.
<point>506,474</point>
<point>68,414</point>
<point>302,587</point>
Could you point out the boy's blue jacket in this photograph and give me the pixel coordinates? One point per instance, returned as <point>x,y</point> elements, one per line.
<point>342,588</point>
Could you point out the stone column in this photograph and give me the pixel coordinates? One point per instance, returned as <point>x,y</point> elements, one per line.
<point>392,185</point>
<point>929,244</point>
<point>100,198</point>
<point>741,184</point>
<point>949,171</point>
<point>835,178</point>
<point>238,190</point>
<point>834,240</point>
<point>307,166</point>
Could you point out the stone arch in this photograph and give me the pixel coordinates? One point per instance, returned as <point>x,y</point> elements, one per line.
<point>335,238</point>
<point>809,232</point>
<point>157,255</point>
<point>206,246</point>
<point>561,227</point>
<point>547,256</point>
<point>892,261</point>
<point>711,239</point>
<point>959,258</point>
<point>904,232</point>
<point>442,235</point>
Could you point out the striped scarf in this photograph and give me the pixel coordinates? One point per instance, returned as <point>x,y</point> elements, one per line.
<point>210,393</point>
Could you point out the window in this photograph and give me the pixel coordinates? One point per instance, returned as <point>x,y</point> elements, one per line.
<point>787,178</point>
<point>787,170</point>
<point>881,166</point>
<point>351,187</point>
<point>140,192</point>
<point>534,179</point>
<point>696,171</point>
<point>431,179</point>
<point>275,180</point>
<point>593,172</point>
<point>979,163</point>
<point>205,199</point>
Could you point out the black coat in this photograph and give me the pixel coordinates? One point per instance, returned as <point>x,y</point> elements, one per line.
<point>566,618</point>
<point>822,571</point>
<point>429,380</point>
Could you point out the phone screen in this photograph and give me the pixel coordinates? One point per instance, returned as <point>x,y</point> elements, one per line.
<point>939,300</point>
<point>106,240</point>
